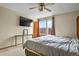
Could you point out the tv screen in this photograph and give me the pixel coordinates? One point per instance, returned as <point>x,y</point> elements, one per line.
<point>25,21</point>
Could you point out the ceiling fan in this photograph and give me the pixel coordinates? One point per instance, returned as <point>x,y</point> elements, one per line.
<point>42,7</point>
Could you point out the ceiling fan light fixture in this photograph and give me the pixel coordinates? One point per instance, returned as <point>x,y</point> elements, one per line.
<point>40,8</point>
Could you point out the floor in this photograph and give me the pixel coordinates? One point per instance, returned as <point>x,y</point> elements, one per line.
<point>13,51</point>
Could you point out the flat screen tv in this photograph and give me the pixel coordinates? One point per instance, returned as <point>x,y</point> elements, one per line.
<point>25,21</point>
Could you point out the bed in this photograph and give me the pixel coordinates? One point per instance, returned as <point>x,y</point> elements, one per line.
<point>52,46</point>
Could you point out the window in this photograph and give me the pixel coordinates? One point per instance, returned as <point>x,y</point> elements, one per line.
<point>42,27</point>
<point>49,26</point>
<point>45,26</point>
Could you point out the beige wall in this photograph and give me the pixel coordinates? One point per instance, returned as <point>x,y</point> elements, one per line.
<point>65,24</point>
<point>9,27</point>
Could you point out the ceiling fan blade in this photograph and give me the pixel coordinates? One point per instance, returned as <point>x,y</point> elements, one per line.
<point>47,9</point>
<point>33,8</point>
<point>47,4</point>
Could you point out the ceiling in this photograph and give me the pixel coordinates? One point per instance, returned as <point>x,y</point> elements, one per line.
<point>57,8</point>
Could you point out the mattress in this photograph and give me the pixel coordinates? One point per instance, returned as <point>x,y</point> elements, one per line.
<point>54,46</point>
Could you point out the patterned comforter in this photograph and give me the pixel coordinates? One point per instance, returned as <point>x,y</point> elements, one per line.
<point>54,46</point>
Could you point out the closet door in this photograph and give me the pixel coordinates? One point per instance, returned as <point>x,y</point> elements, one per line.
<point>77,21</point>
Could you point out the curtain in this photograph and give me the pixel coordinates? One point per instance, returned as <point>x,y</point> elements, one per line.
<point>77,26</point>
<point>38,29</point>
<point>35,29</point>
<point>53,26</point>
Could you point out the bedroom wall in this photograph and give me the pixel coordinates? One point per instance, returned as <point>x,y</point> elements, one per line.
<point>65,24</point>
<point>9,27</point>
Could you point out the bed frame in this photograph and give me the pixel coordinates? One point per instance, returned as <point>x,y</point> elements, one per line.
<point>30,52</point>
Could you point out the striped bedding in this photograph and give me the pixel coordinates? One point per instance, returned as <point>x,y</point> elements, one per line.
<point>54,46</point>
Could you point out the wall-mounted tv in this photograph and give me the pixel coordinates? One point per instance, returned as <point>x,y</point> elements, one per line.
<point>25,21</point>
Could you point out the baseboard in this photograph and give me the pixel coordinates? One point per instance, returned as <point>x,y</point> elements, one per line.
<point>9,46</point>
